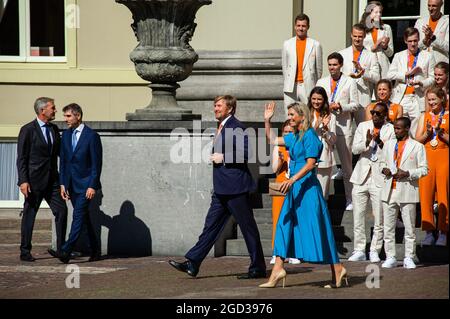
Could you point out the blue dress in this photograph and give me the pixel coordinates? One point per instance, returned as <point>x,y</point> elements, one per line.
<point>304,228</point>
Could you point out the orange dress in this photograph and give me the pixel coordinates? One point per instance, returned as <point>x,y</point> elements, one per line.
<point>392,114</point>
<point>434,186</point>
<point>277,201</point>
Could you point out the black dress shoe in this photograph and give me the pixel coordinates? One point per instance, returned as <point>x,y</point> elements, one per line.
<point>52,252</point>
<point>187,267</point>
<point>64,257</point>
<point>253,275</point>
<point>27,257</point>
<point>75,254</point>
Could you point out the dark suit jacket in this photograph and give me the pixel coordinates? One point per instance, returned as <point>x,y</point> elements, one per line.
<point>34,164</point>
<point>233,176</point>
<point>80,169</point>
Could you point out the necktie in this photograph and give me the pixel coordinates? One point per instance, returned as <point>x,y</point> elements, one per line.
<point>74,139</point>
<point>49,139</point>
<point>218,131</point>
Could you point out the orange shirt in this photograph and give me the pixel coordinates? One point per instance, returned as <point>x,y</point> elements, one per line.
<point>392,113</point>
<point>317,114</point>
<point>374,36</point>
<point>398,158</point>
<point>300,48</point>
<point>432,118</point>
<point>433,24</point>
<point>333,87</point>
<point>376,131</point>
<point>410,89</point>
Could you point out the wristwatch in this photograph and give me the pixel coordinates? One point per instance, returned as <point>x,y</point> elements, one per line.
<point>433,38</point>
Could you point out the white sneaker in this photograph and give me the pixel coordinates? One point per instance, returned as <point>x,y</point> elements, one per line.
<point>374,258</point>
<point>390,262</point>
<point>408,263</point>
<point>294,261</point>
<point>442,240</point>
<point>429,239</point>
<point>435,208</point>
<point>357,256</point>
<point>339,174</point>
<point>349,205</point>
<point>272,261</point>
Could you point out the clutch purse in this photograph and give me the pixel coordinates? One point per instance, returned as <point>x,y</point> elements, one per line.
<point>274,189</point>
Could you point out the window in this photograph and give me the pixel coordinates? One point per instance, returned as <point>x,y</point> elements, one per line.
<point>8,172</point>
<point>32,31</point>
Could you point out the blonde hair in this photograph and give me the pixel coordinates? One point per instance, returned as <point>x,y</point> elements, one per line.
<point>302,110</point>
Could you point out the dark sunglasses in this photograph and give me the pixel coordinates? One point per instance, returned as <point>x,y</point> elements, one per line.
<point>376,113</point>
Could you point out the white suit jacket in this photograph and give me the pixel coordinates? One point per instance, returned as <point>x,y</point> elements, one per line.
<point>312,64</point>
<point>439,47</point>
<point>328,140</point>
<point>366,83</point>
<point>364,164</point>
<point>382,55</point>
<point>414,161</point>
<point>399,67</point>
<point>347,96</point>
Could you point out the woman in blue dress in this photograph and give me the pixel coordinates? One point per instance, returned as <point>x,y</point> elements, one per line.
<point>304,228</point>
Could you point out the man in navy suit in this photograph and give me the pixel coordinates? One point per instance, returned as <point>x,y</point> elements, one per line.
<point>232,183</point>
<point>80,168</point>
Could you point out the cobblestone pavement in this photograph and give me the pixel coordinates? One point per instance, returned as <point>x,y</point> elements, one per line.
<point>153,277</point>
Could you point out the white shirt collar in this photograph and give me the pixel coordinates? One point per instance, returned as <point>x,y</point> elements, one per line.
<point>225,120</point>
<point>41,123</point>
<point>79,128</point>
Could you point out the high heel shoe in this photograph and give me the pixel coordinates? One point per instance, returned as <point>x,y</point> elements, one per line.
<point>338,283</point>
<point>273,283</point>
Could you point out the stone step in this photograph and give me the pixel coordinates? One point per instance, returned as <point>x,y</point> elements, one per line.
<point>14,213</point>
<point>265,232</point>
<point>13,237</point>
<point>15,224</point>
<point>260,200</point>
<point>237,247</point>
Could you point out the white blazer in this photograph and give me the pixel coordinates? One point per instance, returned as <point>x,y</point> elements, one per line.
<point>328,140</point>
<point>398,69</point>
<point>439,47</point>
<point>414,160</point>
<point>364,165</point>
<point>312,64</point>
<point>347,96</point>
<point>366,83</point>
<point>382,55</point>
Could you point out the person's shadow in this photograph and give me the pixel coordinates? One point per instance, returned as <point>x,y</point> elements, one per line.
<point>128,235</point>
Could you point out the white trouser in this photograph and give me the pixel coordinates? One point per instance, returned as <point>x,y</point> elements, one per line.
<point>361,195</point>
<point>408,211</point>
<point>344,149</point>
<point>324,176</point>
<point>298,95</point>
<point>411,109</point>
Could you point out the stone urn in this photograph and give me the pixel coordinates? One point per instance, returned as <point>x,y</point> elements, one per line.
<point>163,56</point>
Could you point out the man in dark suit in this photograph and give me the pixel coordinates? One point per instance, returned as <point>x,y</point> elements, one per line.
<point>37,154</point>
<point>232,183</point>
<point>80,166</point>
